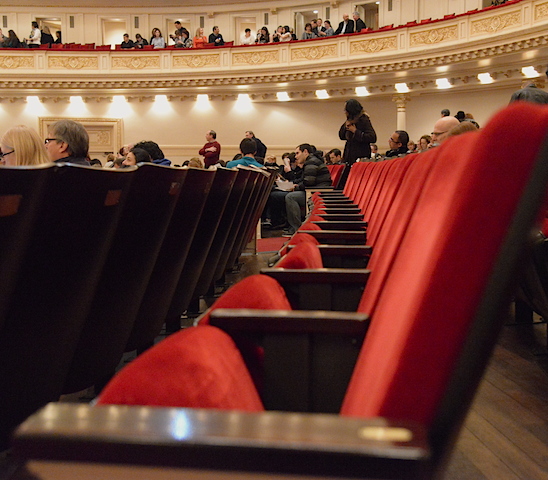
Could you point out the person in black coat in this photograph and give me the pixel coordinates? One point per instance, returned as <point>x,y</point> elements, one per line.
<point>359,24</point>
<point>346,26</point>
<point>357,131</point>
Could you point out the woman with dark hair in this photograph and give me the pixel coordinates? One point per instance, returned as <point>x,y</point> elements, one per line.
<point>286,36</point>
<point>157,40</point>
<point>263,36</point>
<point>13,40</point>
<point>308,33</point>
<point>135,156</point>
<point>357,131</point>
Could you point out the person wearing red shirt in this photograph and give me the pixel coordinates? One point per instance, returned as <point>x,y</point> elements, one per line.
<point>211,150</point>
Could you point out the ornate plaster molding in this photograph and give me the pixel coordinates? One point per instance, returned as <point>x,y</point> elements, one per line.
<point>496,23</point>
<point>374,45</point>
<point>256,58</point>
<point>72,62</point>
<point>136,63</point>
<point>314,53</point>
<point>541,11</point>
<point>12,62</point>
<point>196,61</point>
<point>434,35</point>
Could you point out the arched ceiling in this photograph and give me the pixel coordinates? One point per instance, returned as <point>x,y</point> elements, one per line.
<point>126,3</point>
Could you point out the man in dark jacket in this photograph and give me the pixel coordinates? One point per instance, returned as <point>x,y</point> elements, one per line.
<point>398,143</point>
<point>261,147</point>
<point>314,174</point>
<point>67,142</point>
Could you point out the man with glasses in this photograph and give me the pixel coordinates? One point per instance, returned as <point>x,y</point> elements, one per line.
<point>397,143</point>
<point>441,128</point>
<point>67,142</point>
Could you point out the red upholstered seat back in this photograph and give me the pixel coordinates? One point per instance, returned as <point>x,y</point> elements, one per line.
<point>336,172</point>
<point>443,265</point>
<point>357,171</point>
<point>298,238</point>
<point>302,255</point>
<point>199,367</point>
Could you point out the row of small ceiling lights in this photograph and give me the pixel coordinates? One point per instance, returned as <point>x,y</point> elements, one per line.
<point>441,83</point>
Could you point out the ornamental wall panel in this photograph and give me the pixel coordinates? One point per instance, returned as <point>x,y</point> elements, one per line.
<point>434,36</point>
<point>313,52</point>
<point>137,62</point>
<point>256,58</point>
<point>73,62</point>
<point>196,61</point>
<point>496,23</point>
<point>373,45</point>
<point>541,11</point>
<point>14,62</point>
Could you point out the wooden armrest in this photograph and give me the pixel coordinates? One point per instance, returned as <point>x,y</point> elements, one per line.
<point>336,210</point>
<point>320,189</point>
<point>321,289</point>
<point>289,321</point>
<point>341,225</point>
<point>344,256</point>
<point>338,237</point>
<point>342,216</point>
<point>342,201</point>
<point>62,436</point>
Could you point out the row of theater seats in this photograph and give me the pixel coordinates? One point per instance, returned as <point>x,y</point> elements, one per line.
<point>446,231</point>
<point>93,261</point>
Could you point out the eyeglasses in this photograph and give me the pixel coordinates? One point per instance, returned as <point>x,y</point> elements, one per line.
<point>392,140</point>
<point>437,134</point>
<point>2,154</point>
<point>47,140</point>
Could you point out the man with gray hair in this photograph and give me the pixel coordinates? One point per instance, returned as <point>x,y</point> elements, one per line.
<point>359,24</point>
<point>67,142</point>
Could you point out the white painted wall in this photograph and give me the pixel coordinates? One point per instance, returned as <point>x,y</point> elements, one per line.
<point>180,127</point>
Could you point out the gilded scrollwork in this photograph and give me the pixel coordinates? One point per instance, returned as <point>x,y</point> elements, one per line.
<point>256,58</point>
<point>100,137</point>
<point>10,61</point>
<point>197,61</point>
<point>496,23</point>
<point>136,63</point>
<point>313,53</point>
<point>541,11</point>
<point>434,35</point>
<point>72,62</point>
<point>374,45</point>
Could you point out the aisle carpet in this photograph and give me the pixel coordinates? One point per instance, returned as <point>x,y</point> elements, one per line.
<point>273,244</point>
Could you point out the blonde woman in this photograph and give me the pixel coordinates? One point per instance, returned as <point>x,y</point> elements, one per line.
<point>21,145</point>
<point>199,40</point>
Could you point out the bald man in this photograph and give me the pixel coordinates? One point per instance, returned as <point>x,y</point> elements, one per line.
<point>441,127</point>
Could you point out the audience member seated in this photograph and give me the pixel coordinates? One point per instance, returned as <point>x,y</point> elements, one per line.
<point>374,151</point>
<point>461,128</point>
<point>359,24</point>
<point>199,39</point>
<point>424,143</point>
<point>270,161</point>
<point>195,162</point>
<point>346,26</point>
<point>47,37</point>
<point>314,174</point>
<point>328,32</point>
<point>68,142</point>
<point>140,42</point>
<point>216,38</point>
<point>247,38</point>
<point>263,36</point>
<point>277,35</point>
<point>135,156</point>
<point>287,36</point>
<point>155,152</point>
<point>13,40</point>
<point>157,41</point>
<point>411,146</point>
<point>398,144</point>
<point>21,145</point>
<point>58,38</point>
<point>333,157</point>
<point>127,43</point>
<point>248,147</point>
<point>308,33</point>
<point>183,40</point>
<point>441,127</point>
